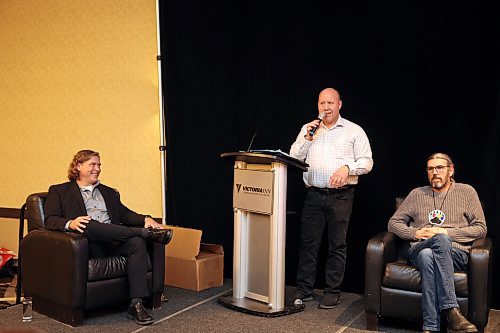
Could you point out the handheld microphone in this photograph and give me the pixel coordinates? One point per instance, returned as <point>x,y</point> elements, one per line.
<point>320,118</point>
<point>251,141</point>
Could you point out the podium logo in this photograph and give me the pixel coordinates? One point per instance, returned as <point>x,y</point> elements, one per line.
<point>253,190</point>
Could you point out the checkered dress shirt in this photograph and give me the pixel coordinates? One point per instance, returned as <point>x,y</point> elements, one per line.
<point>345,143</point>
<point>94,203</point>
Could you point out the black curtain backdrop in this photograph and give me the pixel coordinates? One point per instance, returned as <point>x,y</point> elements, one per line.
<point>418,76</point>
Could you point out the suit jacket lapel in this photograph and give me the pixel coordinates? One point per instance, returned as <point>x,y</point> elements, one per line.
<point>75,191</point>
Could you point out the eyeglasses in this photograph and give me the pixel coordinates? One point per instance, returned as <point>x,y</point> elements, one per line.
<point>438,168</point>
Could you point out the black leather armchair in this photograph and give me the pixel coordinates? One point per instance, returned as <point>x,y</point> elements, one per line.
<point>392,287</point>
<point>64,282</point>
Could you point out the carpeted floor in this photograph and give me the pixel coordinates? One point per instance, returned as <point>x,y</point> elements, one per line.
<point>188,311</point>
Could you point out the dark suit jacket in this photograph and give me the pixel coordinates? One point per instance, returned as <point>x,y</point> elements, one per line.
<point>65,202</point>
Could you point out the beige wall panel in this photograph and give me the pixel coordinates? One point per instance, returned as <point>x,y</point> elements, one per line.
<point>79,74</point>
<point>9,233</point>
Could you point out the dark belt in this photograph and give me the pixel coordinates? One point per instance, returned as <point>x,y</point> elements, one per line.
<point>327,190</point>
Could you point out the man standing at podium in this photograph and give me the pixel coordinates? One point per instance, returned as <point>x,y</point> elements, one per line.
<point>338,152</point>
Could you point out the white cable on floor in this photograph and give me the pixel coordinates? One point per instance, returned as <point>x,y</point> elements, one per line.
<point>343,328</point>
<point>183,310</point>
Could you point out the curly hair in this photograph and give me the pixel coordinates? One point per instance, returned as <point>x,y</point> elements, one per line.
<point>80,157</point>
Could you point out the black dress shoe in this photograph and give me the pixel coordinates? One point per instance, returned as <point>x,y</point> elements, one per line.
<point>160,235</point>
<point>456,322</point>
<point>329,301</point>
<point>139,314</point>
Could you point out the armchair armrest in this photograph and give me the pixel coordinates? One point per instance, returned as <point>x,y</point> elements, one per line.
<point>54,266</point>
<point>381,249</point>
<point>480,281</point>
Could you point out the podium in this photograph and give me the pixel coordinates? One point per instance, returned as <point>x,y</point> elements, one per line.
<point>259,206</point>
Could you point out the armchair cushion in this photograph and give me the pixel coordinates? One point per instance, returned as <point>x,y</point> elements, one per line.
<point>400,275</point>
<point>109,268</point>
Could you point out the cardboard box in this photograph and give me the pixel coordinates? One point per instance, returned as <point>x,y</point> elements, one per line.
<point>190,264</point>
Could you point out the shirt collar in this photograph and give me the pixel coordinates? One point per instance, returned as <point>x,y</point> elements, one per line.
<point>90,187</point>
<point>340,123</point>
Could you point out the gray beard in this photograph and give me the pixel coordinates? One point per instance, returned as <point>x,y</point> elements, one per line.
<point>438,184</point>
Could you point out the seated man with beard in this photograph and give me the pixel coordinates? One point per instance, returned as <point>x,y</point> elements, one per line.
<point>441,221</point>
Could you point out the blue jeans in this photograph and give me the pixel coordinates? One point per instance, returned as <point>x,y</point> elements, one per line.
<point>436,260</point>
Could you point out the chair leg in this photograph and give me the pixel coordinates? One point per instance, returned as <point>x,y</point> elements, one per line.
<point>156,300</point>
<point>371,321</point>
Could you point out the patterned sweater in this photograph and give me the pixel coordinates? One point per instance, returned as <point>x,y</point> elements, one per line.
<point>464,221</point>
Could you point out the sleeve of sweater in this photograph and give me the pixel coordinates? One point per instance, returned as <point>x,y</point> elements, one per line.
<point>475,216</point>
<point>399,222</point>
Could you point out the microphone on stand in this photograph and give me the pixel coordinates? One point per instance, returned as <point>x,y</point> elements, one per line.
<point>320,118</point>
<point>251,141</point>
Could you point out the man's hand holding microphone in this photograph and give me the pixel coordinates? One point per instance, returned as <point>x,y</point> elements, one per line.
<point>313,126</point>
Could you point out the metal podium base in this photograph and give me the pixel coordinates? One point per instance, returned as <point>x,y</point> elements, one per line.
<point>257,308</point>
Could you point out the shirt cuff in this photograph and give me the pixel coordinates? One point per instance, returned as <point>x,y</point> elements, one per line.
<point>66,227</point>
<point>352,169</point>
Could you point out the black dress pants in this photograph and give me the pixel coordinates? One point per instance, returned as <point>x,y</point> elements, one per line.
<point>118,240</point>
<point>330,210</point>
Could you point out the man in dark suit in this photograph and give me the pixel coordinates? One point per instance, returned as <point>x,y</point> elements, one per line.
<point>85,205</point>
